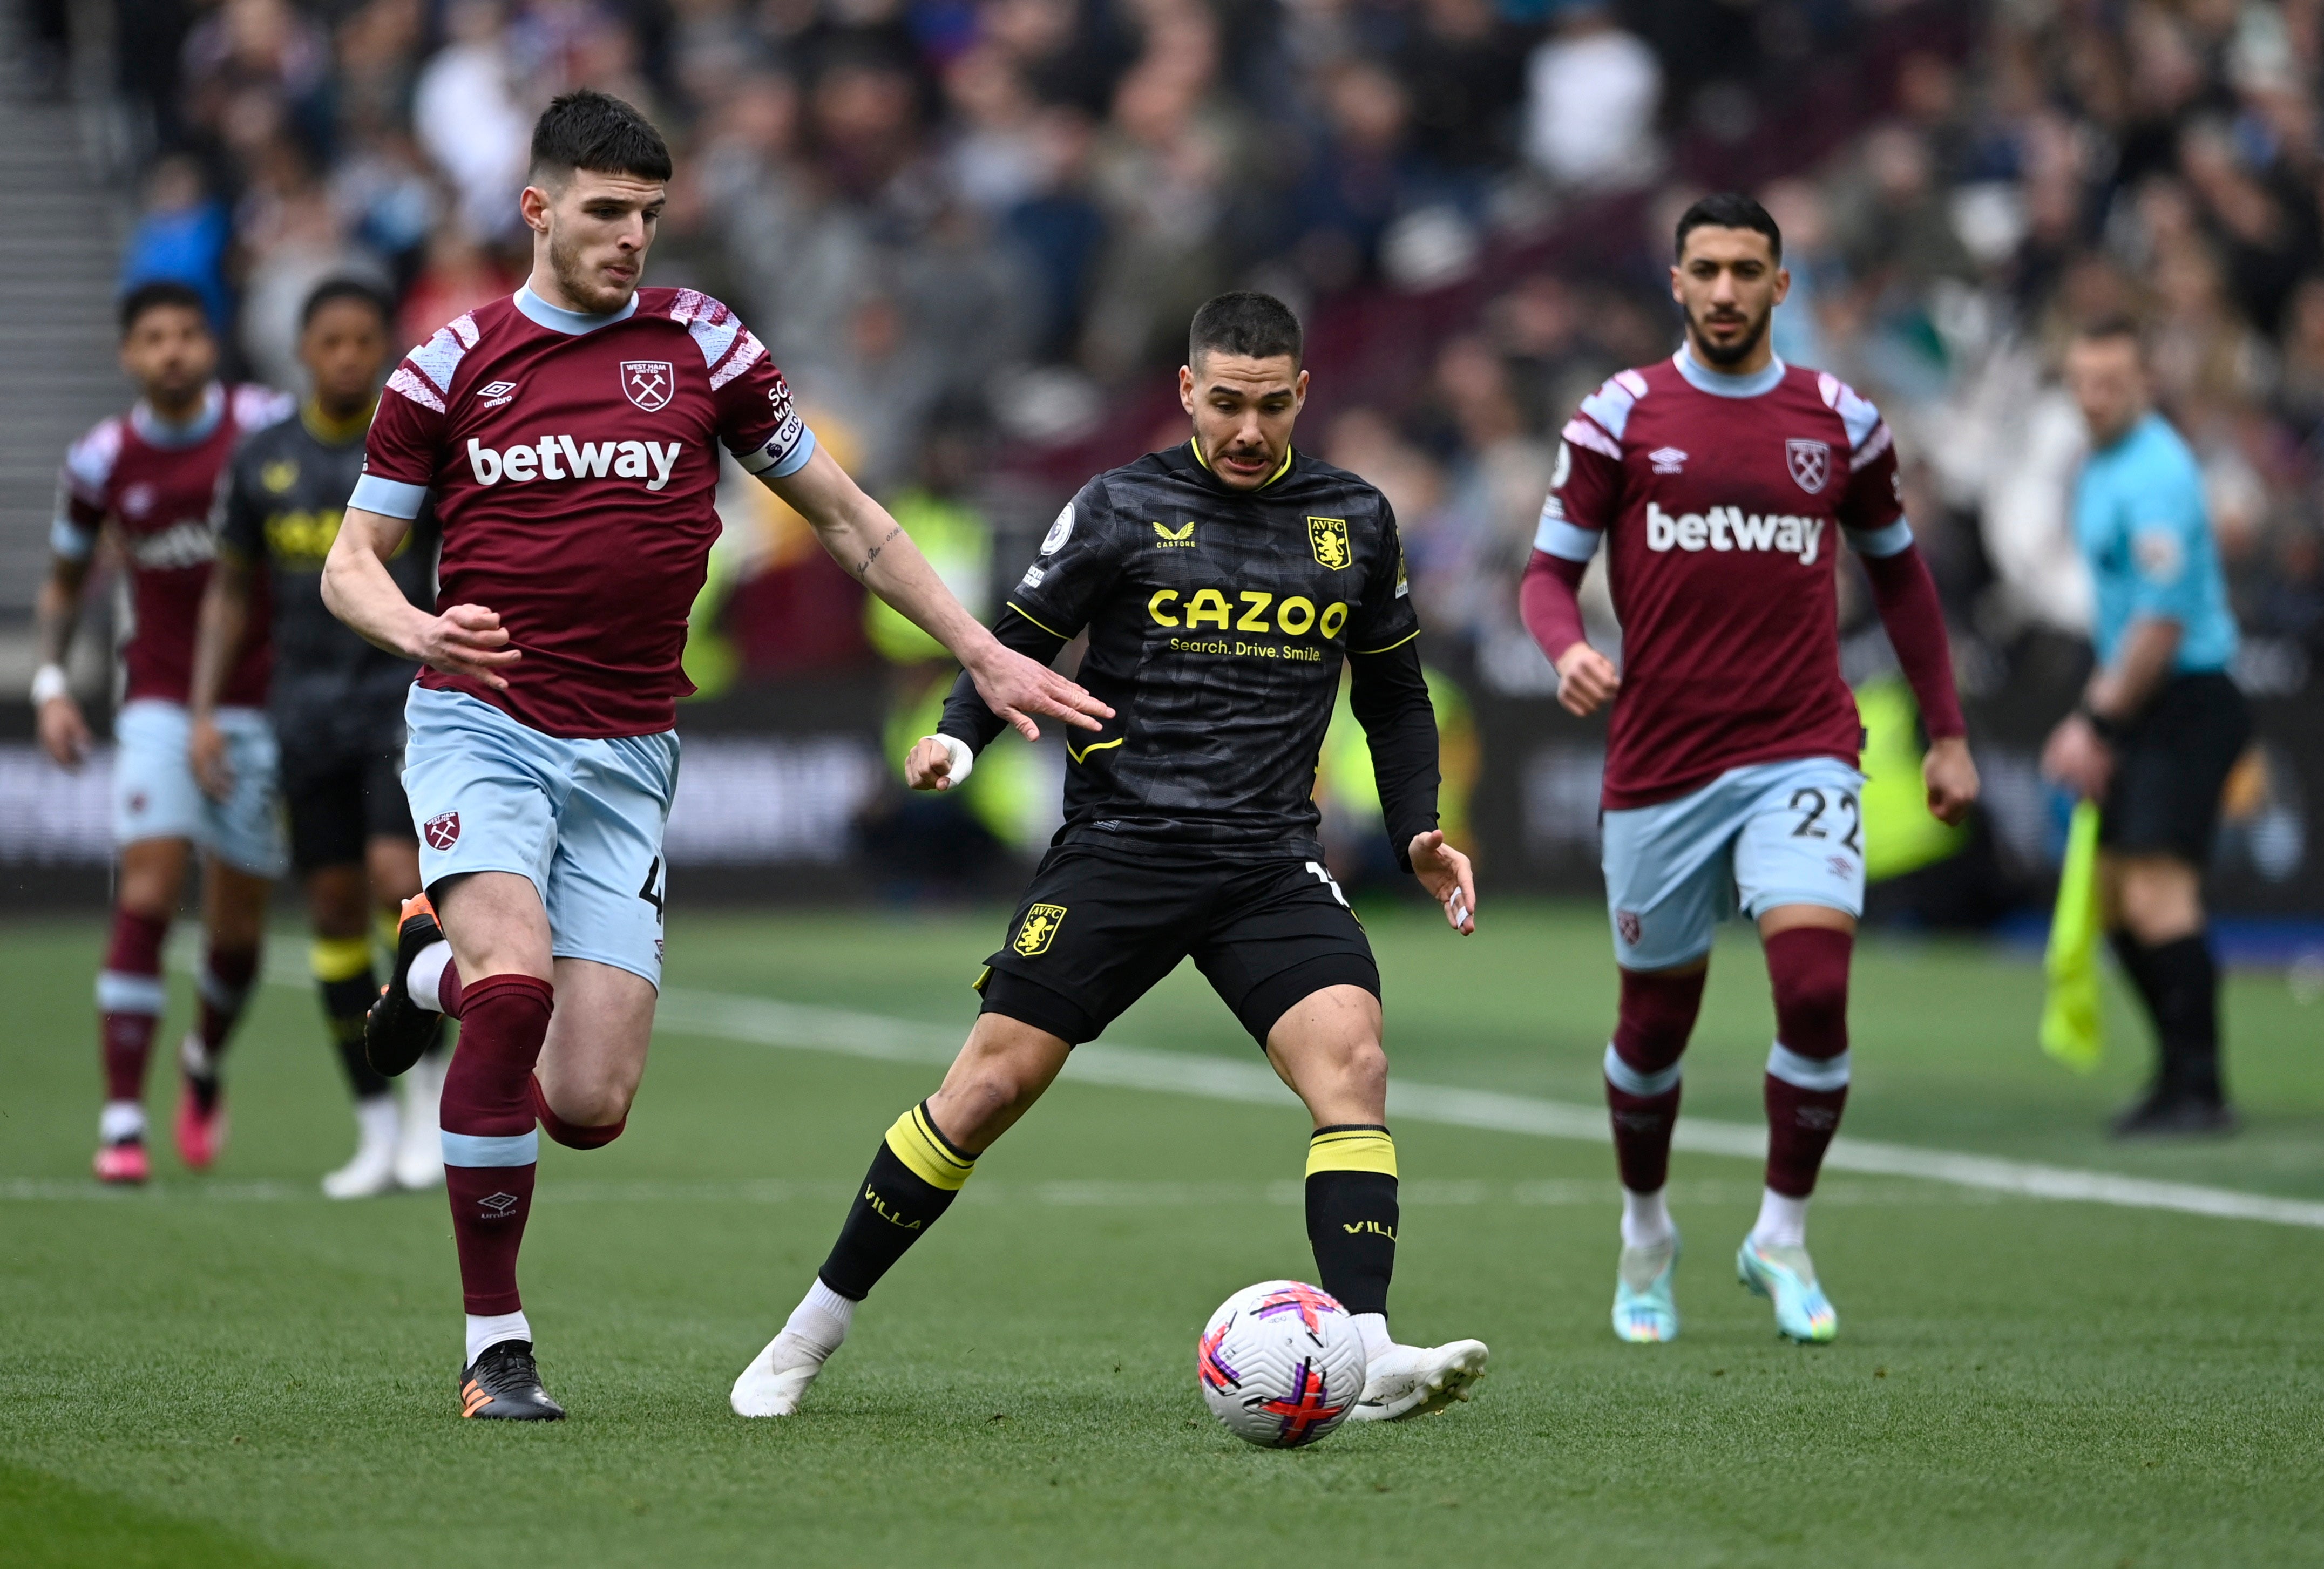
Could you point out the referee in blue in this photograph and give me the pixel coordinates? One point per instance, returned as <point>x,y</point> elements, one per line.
<point>2159,724</point>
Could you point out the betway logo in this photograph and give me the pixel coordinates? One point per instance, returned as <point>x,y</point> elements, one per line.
<point>1728,529</point>
<point>562,458</point>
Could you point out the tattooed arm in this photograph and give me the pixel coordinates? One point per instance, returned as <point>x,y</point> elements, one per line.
<point>876,551</point>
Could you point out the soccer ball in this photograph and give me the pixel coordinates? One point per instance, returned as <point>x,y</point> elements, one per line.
<point>1280,1363</point>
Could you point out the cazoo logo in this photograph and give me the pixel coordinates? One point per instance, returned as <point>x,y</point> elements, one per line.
<point>1246,610</point>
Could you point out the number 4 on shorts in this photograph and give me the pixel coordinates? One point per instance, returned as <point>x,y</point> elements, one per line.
<point>651,892</point>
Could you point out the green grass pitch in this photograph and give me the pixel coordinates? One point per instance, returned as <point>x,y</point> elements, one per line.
<point>232,1371</point>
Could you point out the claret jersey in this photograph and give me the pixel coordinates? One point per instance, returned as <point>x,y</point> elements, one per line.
<point>155,483</point>
<point>1218,623</point>
<point>573,462</point>
<point>1724,500</point>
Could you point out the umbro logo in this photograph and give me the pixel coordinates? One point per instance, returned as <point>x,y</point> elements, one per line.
<point>498,1204</point>
<point>496,393</point>
<point>1667,460</point>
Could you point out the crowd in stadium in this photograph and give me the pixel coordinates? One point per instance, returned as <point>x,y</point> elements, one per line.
<point>990,217</point>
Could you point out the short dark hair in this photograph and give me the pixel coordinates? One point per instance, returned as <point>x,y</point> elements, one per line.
<point>161,294</point>
<point>1259,326</point>
<point>587,129</point>
<point>1728,209</point>
<point>331,291</point>
<point>2103,329</point>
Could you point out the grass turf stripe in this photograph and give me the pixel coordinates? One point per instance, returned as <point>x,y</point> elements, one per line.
<point>763,1023</point>
<point>1095,1193</point>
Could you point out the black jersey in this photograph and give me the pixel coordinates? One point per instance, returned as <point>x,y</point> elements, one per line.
<point>1219,621</point>
<point>279,506</point>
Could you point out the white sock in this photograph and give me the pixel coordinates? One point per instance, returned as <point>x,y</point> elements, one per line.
<point>120,1119</point>
<point>489,1329</point>
<point>423,1089</point>
<point>378,1123</point>
<point>1783,1220</point>
<point>1645,1219</point>
<point>822,1318</point>
<point>426,971</point>
<point>1373,1327</point>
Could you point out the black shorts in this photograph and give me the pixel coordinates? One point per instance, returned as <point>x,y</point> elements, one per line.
<point>341,799</point>
<point>1097,930</point>
<point>2169,767</point>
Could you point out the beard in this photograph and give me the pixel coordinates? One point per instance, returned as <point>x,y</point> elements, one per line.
<point>579,281</point>
<point>1732,354</point>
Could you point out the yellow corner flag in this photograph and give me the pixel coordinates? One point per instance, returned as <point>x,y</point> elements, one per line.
<point>2073,1028</point>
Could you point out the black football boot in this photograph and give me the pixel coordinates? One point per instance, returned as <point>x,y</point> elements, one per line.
<point>503,1385</point>
<point>398,1032</point>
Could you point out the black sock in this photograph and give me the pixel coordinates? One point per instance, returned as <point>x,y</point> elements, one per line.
<point>1351,1212</point>
<point>2186,1006</point>
<point>2132,954</point>
<point>345,1002</point>
<point>913,1180</point>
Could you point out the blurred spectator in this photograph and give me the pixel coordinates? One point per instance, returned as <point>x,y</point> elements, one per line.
<point>182,234</point>
<point>465,108</point>
<point>457,276</point>
<point>1360,178</point>
<point>1463,68</point>
<point>1593,91</point>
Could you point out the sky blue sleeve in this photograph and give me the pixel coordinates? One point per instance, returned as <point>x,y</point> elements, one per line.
<point>2169,527</point>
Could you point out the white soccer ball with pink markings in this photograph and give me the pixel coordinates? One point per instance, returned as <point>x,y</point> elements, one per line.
<point>1281,1363</point>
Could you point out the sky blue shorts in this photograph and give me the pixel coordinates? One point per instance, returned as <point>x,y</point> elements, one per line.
<point>155,796</point>
<point>583,819</point>
<point>1753,838</point>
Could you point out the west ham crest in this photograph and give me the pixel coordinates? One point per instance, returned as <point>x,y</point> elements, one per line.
<point>648,383</point>
<point>1626,922</point>
<point>443,830</point>
<point>1811,463</point>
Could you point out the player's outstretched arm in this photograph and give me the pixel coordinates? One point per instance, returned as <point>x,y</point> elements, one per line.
<point>942,761</point>
<point>467,639</point>
<point>64,731</point>
<point>873,546</point>
<point>218,631</point>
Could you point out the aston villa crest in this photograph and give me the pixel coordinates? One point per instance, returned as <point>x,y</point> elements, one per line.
<point>1039,930</point>
<point>1328,535</point>
<point>648,383</point>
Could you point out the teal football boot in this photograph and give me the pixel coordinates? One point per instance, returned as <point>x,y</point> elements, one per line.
<point>1787,1277</point>
<point>1645,1312</point>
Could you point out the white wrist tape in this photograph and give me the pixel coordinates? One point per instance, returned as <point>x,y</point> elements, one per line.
<point>963,760</point>
<point>50,682</point>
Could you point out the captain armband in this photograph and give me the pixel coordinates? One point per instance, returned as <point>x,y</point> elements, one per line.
<point>783,454</point>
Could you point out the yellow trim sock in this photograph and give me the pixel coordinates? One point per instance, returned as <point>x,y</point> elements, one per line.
<point>338,958</point>
<point>1351,1147</point>
<point>928,1154</point>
